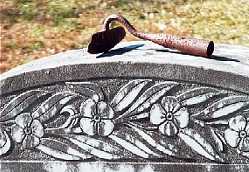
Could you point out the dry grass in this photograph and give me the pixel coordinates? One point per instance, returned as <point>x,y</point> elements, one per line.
<point>31,29</point>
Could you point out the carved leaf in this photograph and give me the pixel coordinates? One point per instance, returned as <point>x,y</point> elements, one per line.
<point>197,95</point>
<point>96,147</point>
<point>139,116</point>
<point>127,94</point>
<point>245,154</point>
<point>128,145</point>
<point>149,97</point>
<point>69,109</point>
<point>52,105</point>
<point>219,140</point>
<point>199,144</point>
<point>4,142</point>
<point>217,122</point>
<point>19,103</point>
<point>87,89</point>
<point>169,150</point>
<point>60,150</point>
<point>223,107</point>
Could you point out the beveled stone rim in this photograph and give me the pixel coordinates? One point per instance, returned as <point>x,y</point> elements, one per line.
<point>80,65</point>
<point>84,72</point>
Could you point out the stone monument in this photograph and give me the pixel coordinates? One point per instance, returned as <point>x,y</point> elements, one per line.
<point>138,107</point>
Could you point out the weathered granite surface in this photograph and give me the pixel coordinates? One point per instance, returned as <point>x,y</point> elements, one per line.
<point>139,102</point>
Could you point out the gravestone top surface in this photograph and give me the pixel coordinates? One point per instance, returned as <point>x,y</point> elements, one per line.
<point>138,107</point>
<point>226,59</point>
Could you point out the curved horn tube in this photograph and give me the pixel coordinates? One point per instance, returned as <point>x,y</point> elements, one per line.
<point>193,46</point>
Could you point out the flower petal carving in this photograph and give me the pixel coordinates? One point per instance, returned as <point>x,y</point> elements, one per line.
<point>96,118</point>
<point>232,137</point>
<point>27,131</point>
<point>169,116</point>
<point>157,115</point>
<point>237,134</point>
<point>169,128</point>
<point>88,108</point>
<point>5,143</point>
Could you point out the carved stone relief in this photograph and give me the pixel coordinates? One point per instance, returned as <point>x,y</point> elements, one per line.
<point>120,119</point>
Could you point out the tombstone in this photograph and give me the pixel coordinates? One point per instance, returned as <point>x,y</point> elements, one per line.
<point>139,107</point>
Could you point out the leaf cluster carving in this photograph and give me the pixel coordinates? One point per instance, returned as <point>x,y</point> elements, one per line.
<point>145,119</point>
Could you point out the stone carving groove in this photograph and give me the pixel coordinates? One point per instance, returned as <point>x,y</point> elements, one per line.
<point>142,119</point>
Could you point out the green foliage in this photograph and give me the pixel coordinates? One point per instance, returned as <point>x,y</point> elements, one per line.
<point>37,45</point>
<point>27,9</point>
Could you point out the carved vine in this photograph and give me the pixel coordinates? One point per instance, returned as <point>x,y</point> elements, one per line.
<point>143,120</point>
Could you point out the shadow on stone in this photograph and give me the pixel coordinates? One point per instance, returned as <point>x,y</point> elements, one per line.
<point>214,57</point>
<point>221,58</point>
<point>120,51</point>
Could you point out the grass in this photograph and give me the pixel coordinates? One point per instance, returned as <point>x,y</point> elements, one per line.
<point>32,29</point>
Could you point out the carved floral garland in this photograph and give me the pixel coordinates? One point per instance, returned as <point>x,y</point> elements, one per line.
<point>143,120</point>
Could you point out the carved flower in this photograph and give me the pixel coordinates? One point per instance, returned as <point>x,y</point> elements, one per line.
<point>169,116</point>
<point>97,118</point>
<point>27,131</point>
<point>4,142</point>
<point>237,135</point>
<point>3,138</point>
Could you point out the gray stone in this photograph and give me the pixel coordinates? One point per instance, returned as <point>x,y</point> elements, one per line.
<point>139,102</point>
